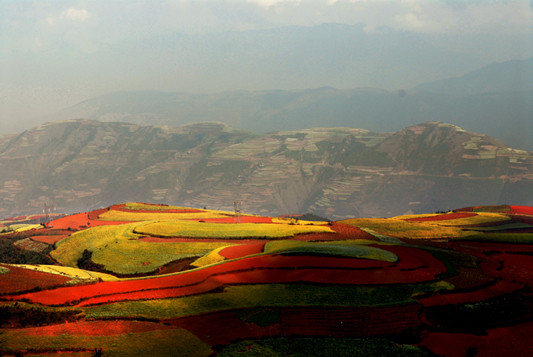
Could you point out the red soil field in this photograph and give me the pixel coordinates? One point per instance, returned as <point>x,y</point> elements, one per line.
<point>351,232</point>
<point>239,251</point>
<point>223,327</point>
<point>469,278</point>
<point>513,341</point>
<point>49,239</point>
<point>93,215</point>
<point>499,288</point>
<point>96,328</point>
<point>516,267</point>
<point>261,269</point>
<point>522,209</point>
<point>470,247</point>
<point>339,322</point>
<point>20,279</point>
<point>78,221</point>
<point>243,219</point>
<point>443,217</point>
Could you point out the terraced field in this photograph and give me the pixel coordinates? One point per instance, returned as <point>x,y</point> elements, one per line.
<point>172,281</point>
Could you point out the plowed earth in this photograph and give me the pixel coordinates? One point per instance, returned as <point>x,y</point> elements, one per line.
<point>20,279</point>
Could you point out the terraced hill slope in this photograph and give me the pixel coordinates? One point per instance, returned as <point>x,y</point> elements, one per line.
<point>333,172</point>
<point>175,281</point>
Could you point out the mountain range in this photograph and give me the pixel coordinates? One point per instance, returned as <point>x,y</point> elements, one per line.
<point>334,172</point>
<point>496,100</point>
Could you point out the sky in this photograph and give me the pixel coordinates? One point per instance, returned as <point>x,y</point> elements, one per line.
<point>54,54</point>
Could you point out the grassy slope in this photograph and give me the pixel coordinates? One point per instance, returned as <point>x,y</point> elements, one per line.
<point>177,342</point>
<point>268,295</point>
<point>120,251</point>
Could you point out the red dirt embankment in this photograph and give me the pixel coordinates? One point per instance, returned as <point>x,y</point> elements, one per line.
<point>443,217</point>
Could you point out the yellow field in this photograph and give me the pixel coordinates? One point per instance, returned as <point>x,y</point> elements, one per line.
<point>397,227</point>
<point>402,229</point>
<point>210,258</point>
<point>120,251</point>
<point>157,216</point>
<point>143,206</point>
<point>482,217</point>
<point>73,273</point>
<point>217,230</point>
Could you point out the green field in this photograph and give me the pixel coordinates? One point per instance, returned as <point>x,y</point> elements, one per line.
<point>345,249</point>
<point>120,251</point>
<point>266,295</point>
<point>524,238</point>
<point>321,347</point>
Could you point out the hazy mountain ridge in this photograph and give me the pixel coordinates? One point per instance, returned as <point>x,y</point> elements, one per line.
<point>496,100</point>
<point>336,172</point>
<point>510,76</point>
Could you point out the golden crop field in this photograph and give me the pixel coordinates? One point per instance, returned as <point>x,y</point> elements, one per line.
<point>210,258</point>
<point>221,230</point>
<point>120,251</point>
<point>404,229</point>
<point>73,273</point>
<point>144,206</point>
<point>157,216</point>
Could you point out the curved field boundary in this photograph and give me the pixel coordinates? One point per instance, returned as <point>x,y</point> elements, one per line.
<point>239,251</point>
<point>499,288</point>
<point>443,217</point>
<point>415,266</point>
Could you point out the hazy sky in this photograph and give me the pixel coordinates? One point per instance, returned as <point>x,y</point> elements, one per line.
<point>54,54</point>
